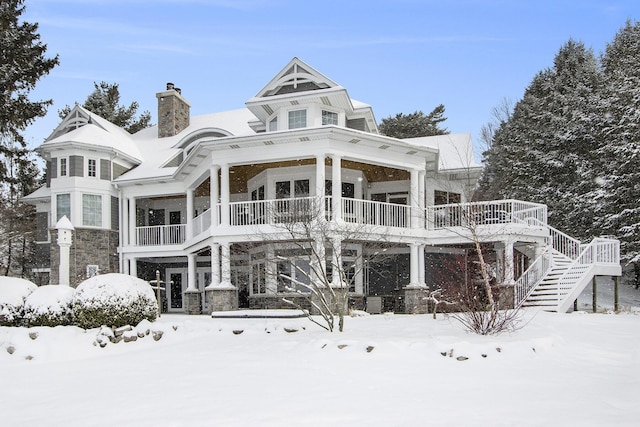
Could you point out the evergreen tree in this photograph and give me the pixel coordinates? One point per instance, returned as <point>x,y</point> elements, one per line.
<point>415,124</point>
<point>105,102</point>
<point>22,63</point>
<point>619,198</point>
<point>544,151</point>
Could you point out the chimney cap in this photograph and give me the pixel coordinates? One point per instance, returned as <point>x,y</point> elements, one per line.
<point>170,85</point>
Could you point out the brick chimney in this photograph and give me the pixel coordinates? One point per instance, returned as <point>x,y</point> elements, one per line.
<point>173,112</point>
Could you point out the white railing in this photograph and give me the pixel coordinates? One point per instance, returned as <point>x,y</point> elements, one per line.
<point>599,252</point>
<point>484,213</point>
<point>531,277</point>
<point>277,211</point>
<point>560,241</point>
<point>375,213</point>
<point>159,235</point>
<point>202,222</point>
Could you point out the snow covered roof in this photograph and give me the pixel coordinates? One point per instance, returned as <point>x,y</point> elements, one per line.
<point>82,127</point>
<point>158,152</point>
<point>42,193</point>
<point>456,150</point>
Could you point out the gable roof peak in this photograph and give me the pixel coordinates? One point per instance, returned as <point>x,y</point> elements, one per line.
<point>296,76</point>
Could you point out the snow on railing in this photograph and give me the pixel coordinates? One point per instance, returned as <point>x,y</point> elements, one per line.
<point>375,213</point>
<point>258,212</point>
<point>600,251</point>
<point>531,277</point>
<point>560,241</point>
<point>159,235</point>
<point>202,222</point>
<point>484,213</point>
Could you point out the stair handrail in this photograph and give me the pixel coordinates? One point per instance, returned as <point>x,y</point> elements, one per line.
<point>560,241</point>
<point>599,251</point>
<point>531,277</point>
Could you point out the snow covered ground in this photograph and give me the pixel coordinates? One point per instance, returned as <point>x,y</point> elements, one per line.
<point>384,370</point>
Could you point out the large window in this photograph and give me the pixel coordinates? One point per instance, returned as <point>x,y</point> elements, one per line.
<point>297,119</point>
<point>63,206</point>
<point>92,167</point>
<point>445,198</point>
<point>92,210</point>
<point>329,118</point>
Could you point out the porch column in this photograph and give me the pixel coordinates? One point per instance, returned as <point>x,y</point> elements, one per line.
<point>124,224</point>
<point>132,221</point>
<point>414,196</point>
<point>336,187</point>
<point>215,265</point>
<point>190,209</point>
<point>226,266</point>
<point>191,273</point>
<point>192,296</point>
<point>214,195</point>
<point>414,269</point>
<point>421,200</point>
<point>221,294</point>
<point>320,179</point>
<point>509,276</point>
<point>421,273</point>
<point>224,196</point>
<point>133,267</point>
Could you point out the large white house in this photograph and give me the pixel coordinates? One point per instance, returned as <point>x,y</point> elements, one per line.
<point>209,202</point>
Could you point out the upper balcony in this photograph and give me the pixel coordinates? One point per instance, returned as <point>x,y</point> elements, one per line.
<point>455,217</point>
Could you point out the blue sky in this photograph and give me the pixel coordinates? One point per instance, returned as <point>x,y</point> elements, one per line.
<point>398,56</point>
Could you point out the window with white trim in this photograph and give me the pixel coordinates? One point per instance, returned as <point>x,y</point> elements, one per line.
<point>92,167</point>
<point>329,118</point>
<point>63,167</point>
<point>63,206</point>
<point>92,210</point>
<point>297,119</point>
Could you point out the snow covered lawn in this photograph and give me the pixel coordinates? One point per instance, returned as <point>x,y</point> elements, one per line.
<point>384,370</point>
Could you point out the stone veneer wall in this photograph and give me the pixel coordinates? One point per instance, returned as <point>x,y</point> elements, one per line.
<point>89,247</point>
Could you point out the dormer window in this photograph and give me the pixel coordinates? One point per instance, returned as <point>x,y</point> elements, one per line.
<point>297,119</point>
<point>273,125</point>
<point>92,168</point>
<point>329,118</point>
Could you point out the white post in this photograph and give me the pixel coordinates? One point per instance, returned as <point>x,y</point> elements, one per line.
<point>509,276</point>
<point>320,178</point>
<point>414,196</point>
<point>214,195</point>
<point>336,187</point>
<point>132,221</point>
<point>226,266</point>
<point>414,281</point>
<point>224,196</point>
<point>215,265</point>
<point>190,210</point>
<point>191,273</point>
<point>65,229</point>
<point>421,272</point>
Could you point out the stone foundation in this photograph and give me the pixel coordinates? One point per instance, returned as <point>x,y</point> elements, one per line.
<point>89,247</point>
<point>193,302</point>
<point>416,301</point>
<point>221,299</point>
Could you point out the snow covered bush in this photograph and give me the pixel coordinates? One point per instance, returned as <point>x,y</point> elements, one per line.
<point>13,292</point>
<point>49,306</point>
<point>113,300</point>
